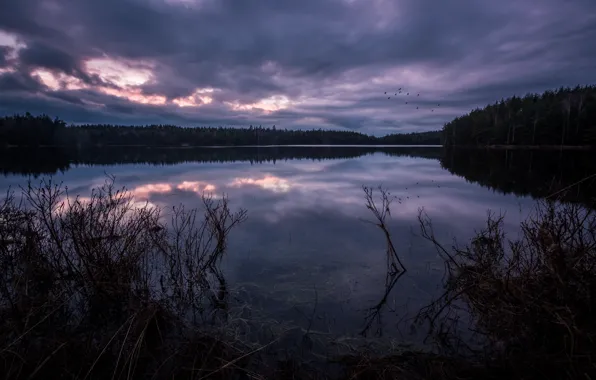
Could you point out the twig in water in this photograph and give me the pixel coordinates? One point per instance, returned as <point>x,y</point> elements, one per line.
<point>381,215</point>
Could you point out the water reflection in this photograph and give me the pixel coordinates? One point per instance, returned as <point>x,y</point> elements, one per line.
<point>568,174</point>
<point>304,235</point>
<point>268,182</point>
<point>53,160</point>
<point>375,313</point>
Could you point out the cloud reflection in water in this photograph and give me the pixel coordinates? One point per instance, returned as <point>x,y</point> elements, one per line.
<point>304,228</point>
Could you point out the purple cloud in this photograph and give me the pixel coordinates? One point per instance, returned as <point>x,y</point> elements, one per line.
<point>313,63</point>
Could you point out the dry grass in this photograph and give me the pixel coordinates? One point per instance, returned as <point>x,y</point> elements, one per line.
<point>529,299</point>
<point>101,287</point>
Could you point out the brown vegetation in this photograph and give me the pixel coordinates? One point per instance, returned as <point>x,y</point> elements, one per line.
<point>103,287</point>
<point>529,299</point>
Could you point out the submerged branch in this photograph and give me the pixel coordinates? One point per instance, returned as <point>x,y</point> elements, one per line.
<point>381,215</point>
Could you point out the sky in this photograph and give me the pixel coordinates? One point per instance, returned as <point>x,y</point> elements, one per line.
<point>296,64</point>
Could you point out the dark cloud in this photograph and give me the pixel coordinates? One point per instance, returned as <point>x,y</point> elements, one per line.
<point>26,18</point>
<point>37,54</point>
<point>332,59</point>
<point>4,52</point>
<point>19,81</point>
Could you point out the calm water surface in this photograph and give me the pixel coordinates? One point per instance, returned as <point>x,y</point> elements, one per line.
<point>305,250</point>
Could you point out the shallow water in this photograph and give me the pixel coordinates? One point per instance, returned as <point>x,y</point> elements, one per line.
<point>305,254</point>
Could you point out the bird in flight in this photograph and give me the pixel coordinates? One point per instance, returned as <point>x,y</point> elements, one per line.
<point>407,93</point>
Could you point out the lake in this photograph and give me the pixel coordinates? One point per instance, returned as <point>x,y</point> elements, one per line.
<point>306,255</point>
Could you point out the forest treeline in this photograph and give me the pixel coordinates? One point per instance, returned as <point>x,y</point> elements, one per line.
<point>532,173</point>
<point>34,131</point>
<point>44,161</point>
<point>566,175</point>
<point>566,116</point>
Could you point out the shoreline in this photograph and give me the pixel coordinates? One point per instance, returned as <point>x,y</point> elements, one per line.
<point>524,147</point>
<point>225,146</point>
<point>486,147</point>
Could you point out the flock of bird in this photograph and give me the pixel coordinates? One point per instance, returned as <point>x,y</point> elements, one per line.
<point>403,198</point>
<point>399,91</point>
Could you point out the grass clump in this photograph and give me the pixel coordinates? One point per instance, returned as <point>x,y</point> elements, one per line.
<point>102,287</point>
<point>529,299</point>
